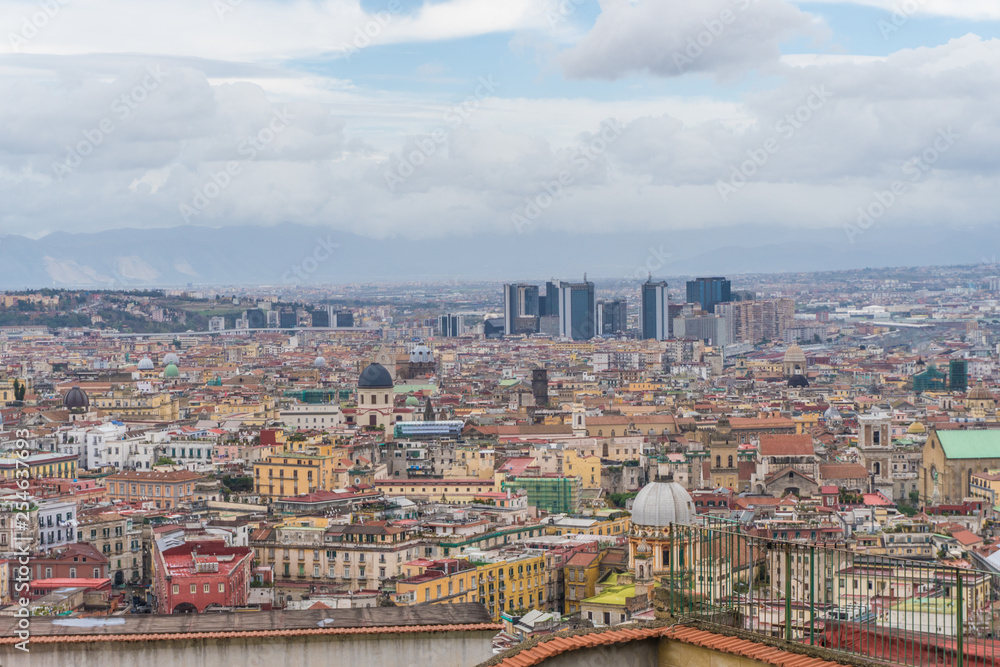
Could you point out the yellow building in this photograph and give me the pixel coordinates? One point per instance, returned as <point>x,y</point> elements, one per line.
<point>580,575</point>
<point>445,581</point>
<point>130,404</point>
<point>510,583</point>
<point>292,473</point>
<point>617,523</point>
<point>587,468</point>
<point>39,465</point>
<point>444,490</point>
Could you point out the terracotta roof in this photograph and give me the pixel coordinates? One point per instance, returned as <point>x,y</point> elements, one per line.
<point>786,445</point>
<point>710,640</point>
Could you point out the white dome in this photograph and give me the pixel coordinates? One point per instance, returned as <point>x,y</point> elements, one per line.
<point>171,358</point>
<point>421,354</point>
<point>659,504</point>
<point>831,413</point>
<point>146,364</point>
<point>319,362</point>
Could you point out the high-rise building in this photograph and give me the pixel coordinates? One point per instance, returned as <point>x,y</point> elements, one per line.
<point>320,317</point>
<point>674,311</point>
<point>754,322</point>
<point>655,315</point>
<point>287,319</point>
<point>548,305</point>
<point>451,326</point>
<point>520,308</point>
<point>712,329</point>
<point>709,291</point>
<point>612,317</point>
<point>577,310</point>
<point>344,319</point>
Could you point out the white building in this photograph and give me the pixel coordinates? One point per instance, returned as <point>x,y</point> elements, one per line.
<point>56,523</point>
<point>315,416</point>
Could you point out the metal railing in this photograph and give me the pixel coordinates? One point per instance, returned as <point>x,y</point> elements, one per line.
<point>864,603</point>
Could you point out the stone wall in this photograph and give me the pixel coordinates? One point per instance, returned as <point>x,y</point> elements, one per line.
<point>418,649</point>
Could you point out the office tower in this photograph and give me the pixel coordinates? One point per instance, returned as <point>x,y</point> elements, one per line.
<point>287,319</point>
<point>577,310</point>
<point>451,326</point>
<point>344,319</point>
<point>520,309</point>
<point>256,319</point>
<point>709,291</point>
<point>320,317</point>
<point>612,317</point>
<point>217,324</point>
<point>712,329</point>
<point>548,306</point>
<point>958,375</point>
<point>655,311</point>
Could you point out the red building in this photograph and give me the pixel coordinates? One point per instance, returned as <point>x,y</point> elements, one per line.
<point>73,561</point>
<point>195,575</point>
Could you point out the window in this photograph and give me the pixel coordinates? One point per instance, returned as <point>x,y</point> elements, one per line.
<point>176,589</point>
<point>205,589</point>
<point>222,587</point>
<point>97,573</point>
<point>194,588</point>
<point>72,573</point>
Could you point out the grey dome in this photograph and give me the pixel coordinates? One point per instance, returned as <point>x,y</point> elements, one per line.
<point>375,376</point>
<point>76,398</point>
<point>146,364</point>
<point>171,358</point>
<point>421,354</point>
<point>319,362</point>
<point>659,504</point>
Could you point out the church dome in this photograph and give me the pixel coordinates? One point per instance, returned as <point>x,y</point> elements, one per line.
<point>375,376</point>
<point>916,428</point>
<point>171,371</point>
<point>76,398</point>
<point>171,358</point>
<point>794,354</point>
<point>659,504</point>
<point>146,364</point>
<point>798,381</point>
<point>421,354</point>
<point>412,401</point>
<point>319,362</point>
<point>832,413</point>
<point>979,393</point>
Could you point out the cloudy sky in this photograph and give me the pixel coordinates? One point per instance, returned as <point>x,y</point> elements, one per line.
<point>421,119</point>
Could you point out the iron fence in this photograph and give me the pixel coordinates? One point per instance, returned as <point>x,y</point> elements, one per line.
<point>890,609</point>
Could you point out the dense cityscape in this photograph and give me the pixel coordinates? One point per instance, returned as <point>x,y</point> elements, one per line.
<point>530,448</point>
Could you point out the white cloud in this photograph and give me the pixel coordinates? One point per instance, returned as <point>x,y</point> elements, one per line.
<point>978,10</point>
<point>725,37</point>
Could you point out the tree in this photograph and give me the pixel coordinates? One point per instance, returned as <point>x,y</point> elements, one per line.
<point>165,461</point>
<point>20,388</point>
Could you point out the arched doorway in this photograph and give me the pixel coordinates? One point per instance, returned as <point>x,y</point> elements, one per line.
<point>185,608</point>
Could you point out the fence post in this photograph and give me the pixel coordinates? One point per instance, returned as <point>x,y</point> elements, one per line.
<point>959,617</point>
<point>673,582</point>
<point>788,592</point>
<point>812,595</point>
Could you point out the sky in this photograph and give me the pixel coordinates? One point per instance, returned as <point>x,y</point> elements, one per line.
<point>400,118</point>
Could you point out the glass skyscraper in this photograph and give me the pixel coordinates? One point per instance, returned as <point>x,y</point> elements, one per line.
<point>577,311</point>
<point>706,292</point>
<point>655,316</point>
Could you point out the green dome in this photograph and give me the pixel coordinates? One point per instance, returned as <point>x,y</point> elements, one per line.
<point>412,401</point>
<point>171,371</point>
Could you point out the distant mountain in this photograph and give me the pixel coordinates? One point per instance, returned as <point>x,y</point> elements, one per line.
<point>293,254</point>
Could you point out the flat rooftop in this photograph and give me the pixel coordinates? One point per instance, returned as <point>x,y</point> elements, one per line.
<point>378,619</point>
